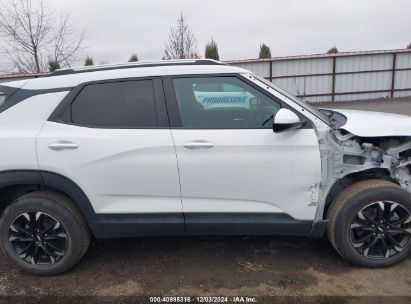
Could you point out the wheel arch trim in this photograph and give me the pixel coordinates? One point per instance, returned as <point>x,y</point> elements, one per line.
<point>55,181</point>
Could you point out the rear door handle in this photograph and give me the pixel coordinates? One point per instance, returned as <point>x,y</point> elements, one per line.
<point>63,145</point>
<point>198,144</point>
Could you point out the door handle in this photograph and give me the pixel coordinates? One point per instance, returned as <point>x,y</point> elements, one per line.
<point>63,145</point>
<point>198,144</point>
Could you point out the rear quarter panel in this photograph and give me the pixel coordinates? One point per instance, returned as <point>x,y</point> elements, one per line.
<point>19,126</point>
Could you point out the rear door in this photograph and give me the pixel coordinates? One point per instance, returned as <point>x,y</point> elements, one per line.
<point>113,140</point>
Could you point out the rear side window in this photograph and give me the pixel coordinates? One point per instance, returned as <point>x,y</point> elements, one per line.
<point>128,104</point>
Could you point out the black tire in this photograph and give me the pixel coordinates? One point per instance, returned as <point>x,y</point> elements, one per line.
<point>51,206</point>
<point>349,207</point>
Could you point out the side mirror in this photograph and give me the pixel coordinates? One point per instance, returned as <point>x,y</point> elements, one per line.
<point>285,119</point>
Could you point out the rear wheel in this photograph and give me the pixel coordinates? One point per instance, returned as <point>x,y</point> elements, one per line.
<point>370,223</point>
<point>43,233</point>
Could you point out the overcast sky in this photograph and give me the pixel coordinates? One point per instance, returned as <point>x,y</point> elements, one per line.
<point>116,28</point>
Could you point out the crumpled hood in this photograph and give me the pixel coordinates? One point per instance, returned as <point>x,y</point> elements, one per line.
<point>375,124</point>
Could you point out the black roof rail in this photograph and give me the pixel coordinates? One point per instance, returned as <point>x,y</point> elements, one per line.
<point>135,65</point>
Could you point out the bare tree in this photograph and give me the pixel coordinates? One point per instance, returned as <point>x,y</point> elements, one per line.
<point>181,42</point>
<point>33,36</point>
<point>66,42</point>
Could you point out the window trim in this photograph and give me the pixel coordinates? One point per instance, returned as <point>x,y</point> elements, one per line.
<point>59,115</point>
<point>173,107</point>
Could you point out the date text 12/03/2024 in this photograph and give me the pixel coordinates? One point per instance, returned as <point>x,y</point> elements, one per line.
<point>206,299</point>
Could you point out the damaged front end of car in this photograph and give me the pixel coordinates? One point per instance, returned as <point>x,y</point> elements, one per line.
<point>347,158</point>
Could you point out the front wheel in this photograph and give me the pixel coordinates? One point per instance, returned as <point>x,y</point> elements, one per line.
<point>43,233</point>
<point>370,223</point>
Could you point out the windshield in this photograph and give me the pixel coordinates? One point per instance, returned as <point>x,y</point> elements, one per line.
<point>298,101</point>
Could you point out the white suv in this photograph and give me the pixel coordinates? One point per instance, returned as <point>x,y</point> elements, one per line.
<point>192,148</point>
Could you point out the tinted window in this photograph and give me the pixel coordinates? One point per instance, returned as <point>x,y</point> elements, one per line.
<point>223,102</point>
<point>127,104</point>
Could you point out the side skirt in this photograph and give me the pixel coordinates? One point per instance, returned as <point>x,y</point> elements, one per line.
<point>137,225</point>
<point>140,225</point>
<point>245,224</point>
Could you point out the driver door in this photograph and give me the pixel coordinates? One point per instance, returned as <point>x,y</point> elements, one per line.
<point>232,165</point>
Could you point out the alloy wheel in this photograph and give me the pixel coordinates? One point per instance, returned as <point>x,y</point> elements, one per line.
<point>381,230</point>
<point>38,238</point>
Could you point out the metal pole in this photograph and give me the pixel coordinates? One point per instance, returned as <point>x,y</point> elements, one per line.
<point>271,70</point>
<point>394,63</point>
<point>333,81</point>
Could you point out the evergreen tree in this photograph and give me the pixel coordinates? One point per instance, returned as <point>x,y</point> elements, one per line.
<point>89,61</point>
<point>133,58</point>
<point>53,65</point>
<point>211,50</point>
<point>265,52</point>
<point>333,50</point>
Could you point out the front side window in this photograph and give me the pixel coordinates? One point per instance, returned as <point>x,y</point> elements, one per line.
<point>223,102</point>
<point>128,104</point>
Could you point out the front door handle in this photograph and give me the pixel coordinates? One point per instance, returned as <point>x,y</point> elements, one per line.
<point>63,145</point>
<point>198,144</point>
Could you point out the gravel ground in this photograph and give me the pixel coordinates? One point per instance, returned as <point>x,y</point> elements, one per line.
<point>231,266</point>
